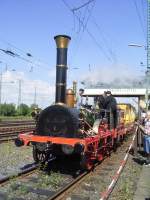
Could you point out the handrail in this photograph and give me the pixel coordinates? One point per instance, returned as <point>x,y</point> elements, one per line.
<point>142,128</point>
<point>138,144</point>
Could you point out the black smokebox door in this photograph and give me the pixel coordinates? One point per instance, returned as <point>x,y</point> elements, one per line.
<point>58,121</point>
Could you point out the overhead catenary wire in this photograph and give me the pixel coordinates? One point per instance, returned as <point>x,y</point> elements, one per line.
<point>88,17</point>
<point>8,43</point>
<point>101,32</point>
<point>34,61</point>
<point>83,5</point>
<point>81,29</point>
<point>93,20</point>
<point>110,51</point>
<point>89,33</point>
<point>84,19</point>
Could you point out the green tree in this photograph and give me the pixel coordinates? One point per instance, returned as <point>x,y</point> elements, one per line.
<point>7,109</point>
<point>23,109</point>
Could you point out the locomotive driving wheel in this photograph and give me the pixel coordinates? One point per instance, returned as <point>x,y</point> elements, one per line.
<point>40,155</point>
<point>85,162</point>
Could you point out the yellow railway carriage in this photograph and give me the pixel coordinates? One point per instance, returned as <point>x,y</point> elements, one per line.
<point>128,113</point>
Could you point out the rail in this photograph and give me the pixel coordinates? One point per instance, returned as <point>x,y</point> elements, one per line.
<point>11,133</point>
<point>28,170</point>
<point>16,123</point>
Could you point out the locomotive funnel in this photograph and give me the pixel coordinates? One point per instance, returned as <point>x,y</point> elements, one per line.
<point>62,42</point>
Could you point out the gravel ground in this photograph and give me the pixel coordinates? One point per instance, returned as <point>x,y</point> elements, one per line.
<point>128,180</point>
<point>40,185</point>
<point>12,158</point>
<point>92,187</point>
<point>35,186</point>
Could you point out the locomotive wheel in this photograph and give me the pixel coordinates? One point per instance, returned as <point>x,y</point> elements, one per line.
<point>86,163</point>
<point>40,156</point>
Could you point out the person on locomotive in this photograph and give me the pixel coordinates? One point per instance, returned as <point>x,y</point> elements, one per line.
<point>102,104</point>
<point>108,108</point>
<point>111,105</point>
<point>80,98</point>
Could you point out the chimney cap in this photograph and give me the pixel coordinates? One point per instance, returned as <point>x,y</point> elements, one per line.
<point>65,36</point>
<point>62,41</point>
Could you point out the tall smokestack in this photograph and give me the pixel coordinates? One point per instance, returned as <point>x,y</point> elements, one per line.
<point>62,42</point>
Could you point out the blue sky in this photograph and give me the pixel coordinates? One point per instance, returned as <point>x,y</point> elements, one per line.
<point>30,25</point>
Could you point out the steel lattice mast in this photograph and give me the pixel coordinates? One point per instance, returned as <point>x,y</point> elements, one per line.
<point>148,56</point>
<point>148,36</point>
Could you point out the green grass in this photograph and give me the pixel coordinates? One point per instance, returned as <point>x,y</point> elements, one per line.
<point>3,118</point>
<point>54,180</point>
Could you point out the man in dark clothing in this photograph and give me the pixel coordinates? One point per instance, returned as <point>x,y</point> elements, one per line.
<point>111,105</point>
<point>102,104</point>
<point>110,101</point>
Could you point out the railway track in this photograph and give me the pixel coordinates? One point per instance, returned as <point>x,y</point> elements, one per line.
<point>16,123</point>
<point>22,173</point>
<point>9,136</point>
<point>72,186</point>
<point>10,130</point>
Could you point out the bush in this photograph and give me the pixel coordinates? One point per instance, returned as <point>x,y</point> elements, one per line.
<point>23,109</point>
<point>7,109</point>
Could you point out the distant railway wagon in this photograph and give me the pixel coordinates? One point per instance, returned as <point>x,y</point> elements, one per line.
<point>128,113</point>
<point>81,132</point>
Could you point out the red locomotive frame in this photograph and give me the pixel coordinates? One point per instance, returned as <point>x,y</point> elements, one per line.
<point>92,152</point>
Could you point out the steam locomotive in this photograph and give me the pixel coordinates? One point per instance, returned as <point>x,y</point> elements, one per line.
<point>63,129</point>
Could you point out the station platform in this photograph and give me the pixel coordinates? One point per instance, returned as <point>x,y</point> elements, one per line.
<point>143,186</point>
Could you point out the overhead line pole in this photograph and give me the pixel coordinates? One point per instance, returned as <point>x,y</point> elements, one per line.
<point>148,55</point>
<point>35,95</point>
<point>148,36</point>
<point>19,93</point>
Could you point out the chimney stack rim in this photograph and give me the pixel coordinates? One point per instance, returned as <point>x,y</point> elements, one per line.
<point>64,36</point>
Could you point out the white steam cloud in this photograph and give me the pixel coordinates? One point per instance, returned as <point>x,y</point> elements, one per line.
<point>118,76</point>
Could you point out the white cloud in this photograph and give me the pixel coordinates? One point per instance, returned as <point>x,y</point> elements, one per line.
<point>10,89</point>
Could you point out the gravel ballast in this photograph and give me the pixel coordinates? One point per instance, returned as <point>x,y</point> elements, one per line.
<point>98,182</point>
<point>13,159</point>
